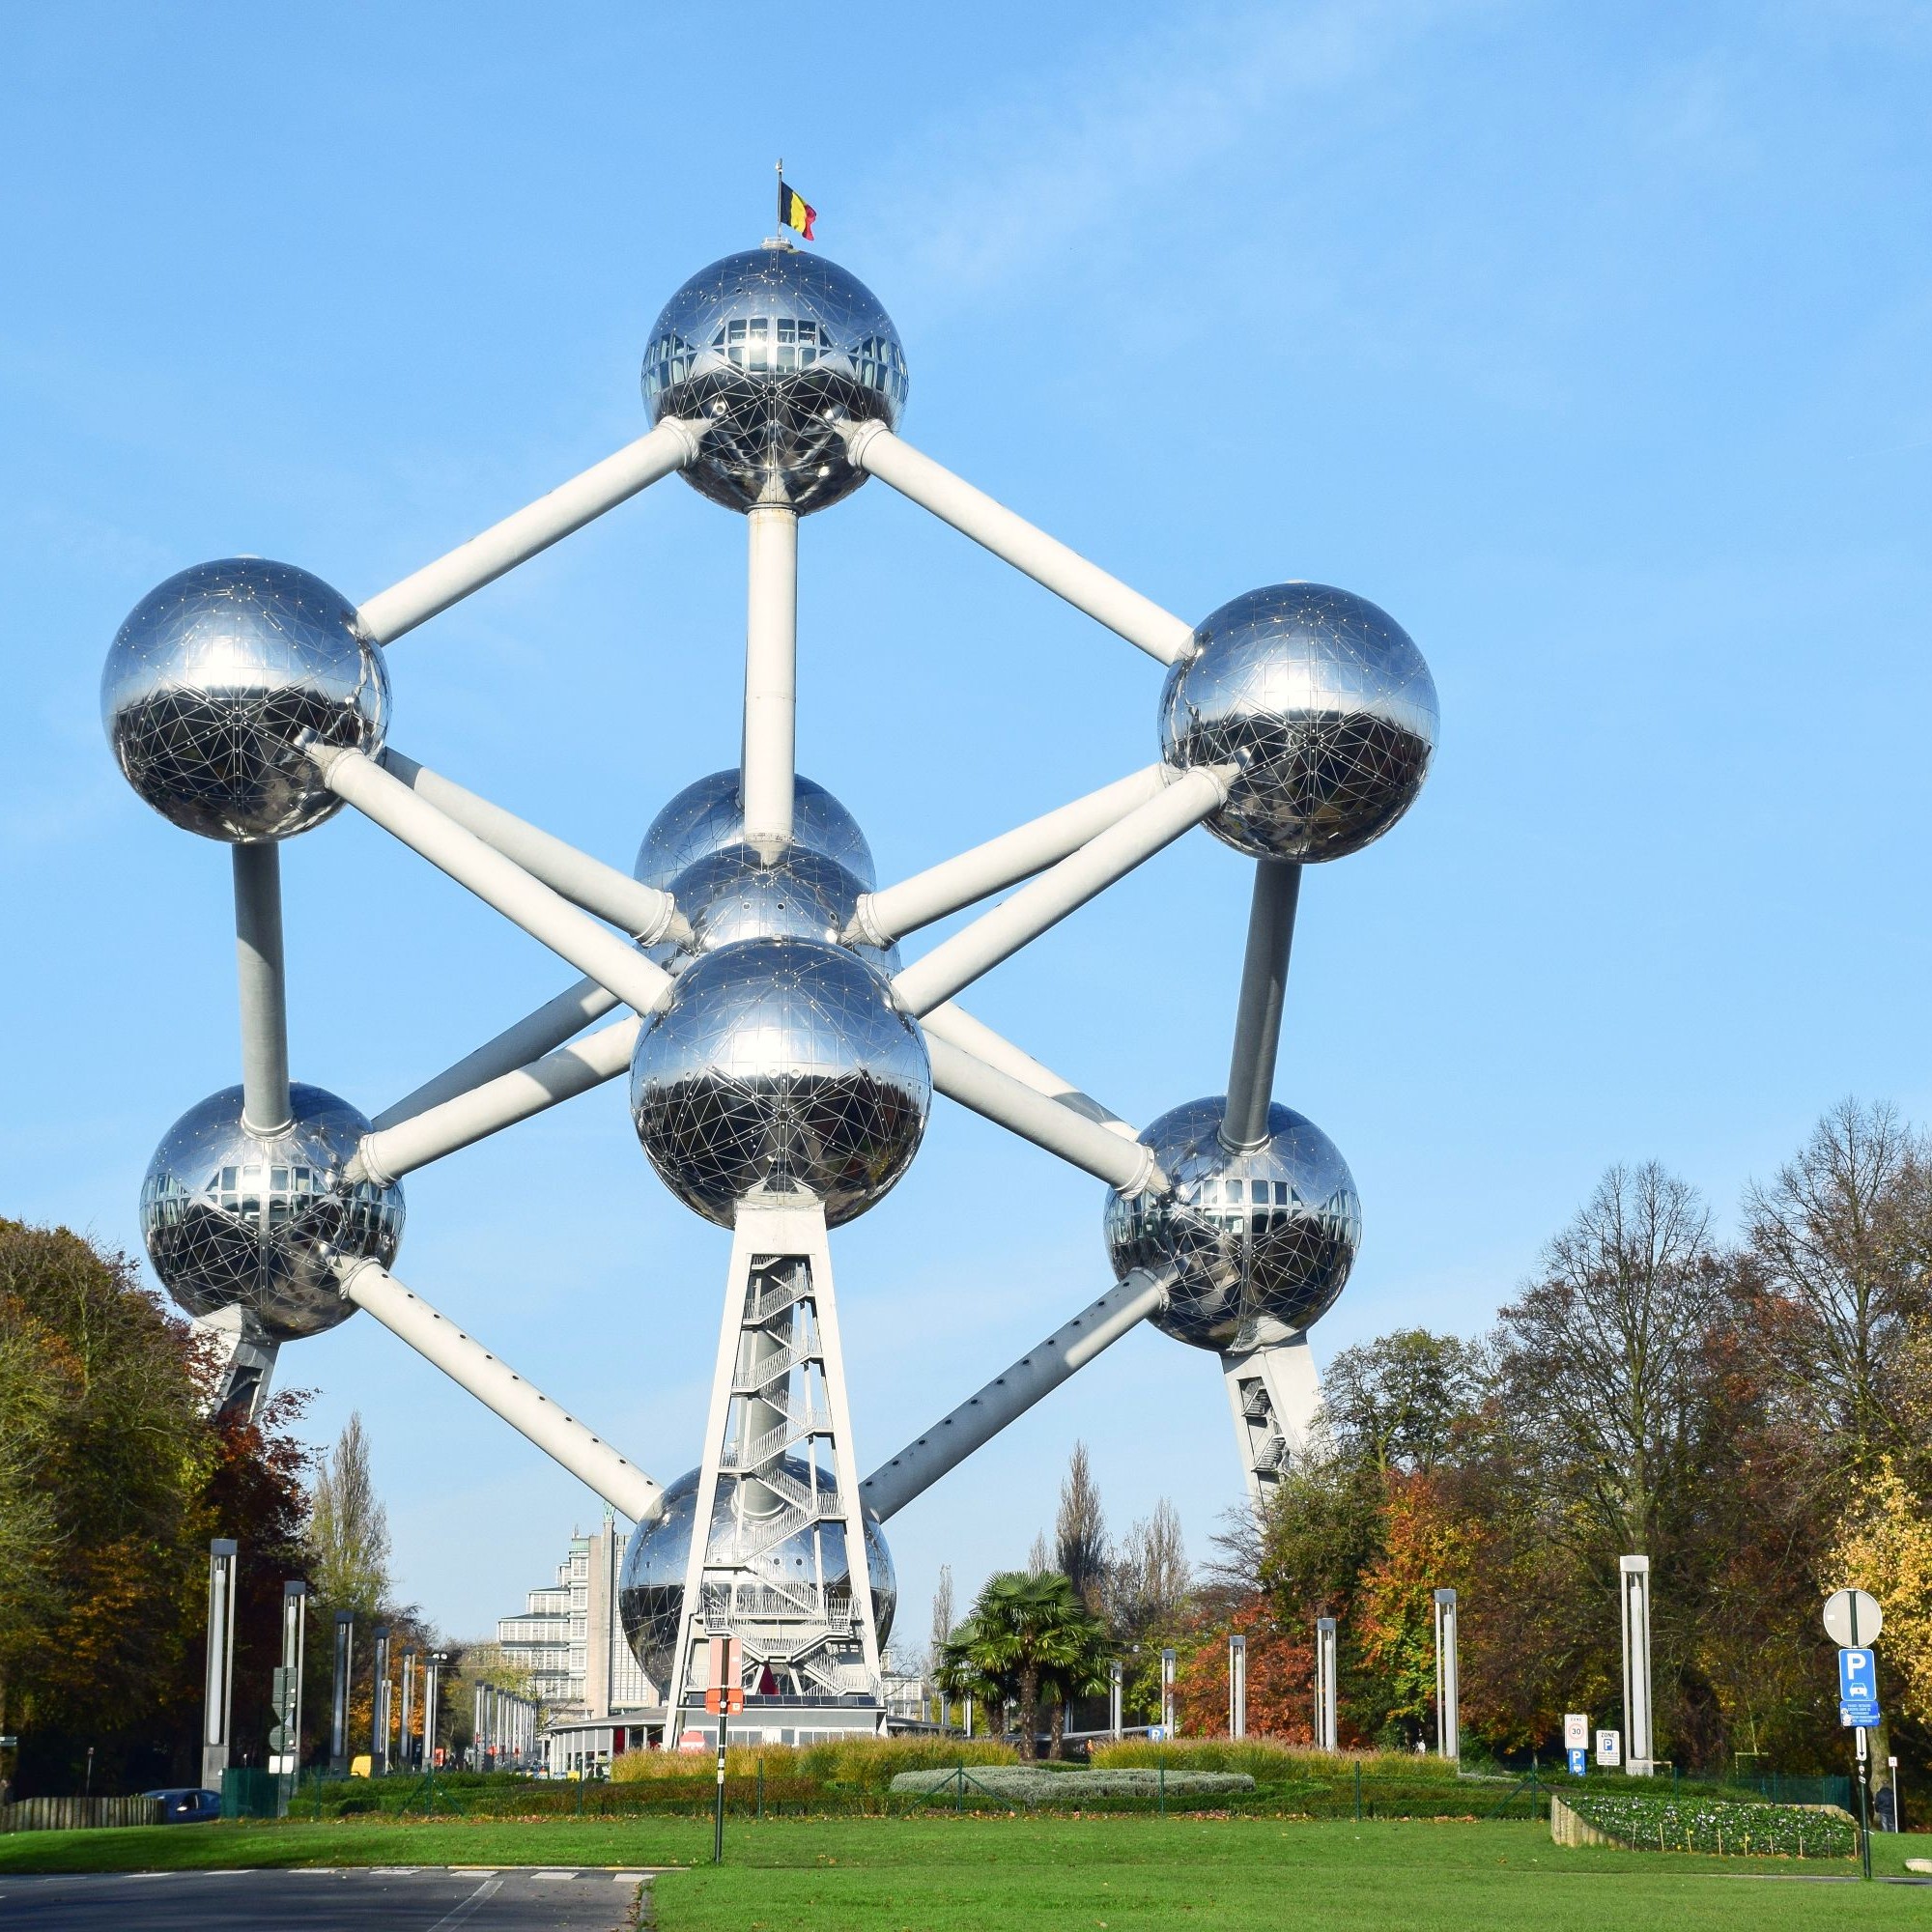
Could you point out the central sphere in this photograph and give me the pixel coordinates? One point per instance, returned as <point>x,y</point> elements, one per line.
<point>765,346</point>
<point>230,1216</point>
<point>211,679</point>
<point>1327,703</point>
<point>1251,1247</point>
<point>736,894</point>
<point>651,1595</point>
<point>707,815</point>
<point>782,1067</point>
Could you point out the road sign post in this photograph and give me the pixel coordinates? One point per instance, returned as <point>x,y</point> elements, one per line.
<point>723,1695</point>
<point>1609,1748</point>
<point>1852,1619</point>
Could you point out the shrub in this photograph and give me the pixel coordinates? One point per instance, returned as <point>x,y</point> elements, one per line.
<point>1689,1824</point>
<point>1040,1783</point>
<point>864,1764</point>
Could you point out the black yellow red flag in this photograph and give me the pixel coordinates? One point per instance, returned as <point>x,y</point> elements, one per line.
<point>795,212</point>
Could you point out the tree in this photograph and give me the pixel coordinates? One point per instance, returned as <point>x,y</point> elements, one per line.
<point>1398,1403</point>
<point>1885,1548</point>
<point>942,1617</point>
<point>1080,1531</point>
<point>350,1530</point>
<point>1023,1632</point>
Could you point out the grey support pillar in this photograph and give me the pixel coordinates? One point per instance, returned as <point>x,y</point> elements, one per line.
<point>1634,1578</point>
<point>1258,1013</point>
<point>218,1689</point>
<point>1167,1700</point>
<point>338,1710</point>
<point>1448,1680</point>
<point>1327,1728</point>
<point>379,1743</point>
<point>264,1012</point>
<point>404,1747</point>
<point>1115,1673</point>
<point>285,1754</point>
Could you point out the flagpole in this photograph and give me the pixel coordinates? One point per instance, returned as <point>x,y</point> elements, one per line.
<point>782,206</point>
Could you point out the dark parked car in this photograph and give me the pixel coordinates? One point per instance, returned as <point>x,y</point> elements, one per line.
<point>187,1807</point>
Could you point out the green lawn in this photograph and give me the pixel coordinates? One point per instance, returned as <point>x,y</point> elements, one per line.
<point>966,1874</point>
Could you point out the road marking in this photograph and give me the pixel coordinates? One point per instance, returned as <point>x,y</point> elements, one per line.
<point>553,1874</point>
<point>462,1912</point>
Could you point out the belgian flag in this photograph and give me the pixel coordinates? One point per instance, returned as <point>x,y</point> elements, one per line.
<point>794,211</point>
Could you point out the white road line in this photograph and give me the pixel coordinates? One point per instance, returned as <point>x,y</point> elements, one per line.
<point>553,1874</point>
<point>468,1905</point>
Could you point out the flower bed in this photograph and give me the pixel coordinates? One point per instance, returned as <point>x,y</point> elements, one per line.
<point>1689,1824</point>
<point>1037,1784</point>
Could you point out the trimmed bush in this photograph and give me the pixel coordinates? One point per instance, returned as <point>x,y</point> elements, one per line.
<point>1039,1783</point>
<point>858,1764</point>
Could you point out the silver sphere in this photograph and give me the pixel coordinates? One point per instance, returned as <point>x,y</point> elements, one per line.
<point>212,677</point>
<point>230,1216</point>
<point>1329,703</point>
<point>781,1066</point>
<point>766,347</point>
<point>1251,1247</point>
<point>651,1594</point>
<point>735,893</point>
<point>707,816</point>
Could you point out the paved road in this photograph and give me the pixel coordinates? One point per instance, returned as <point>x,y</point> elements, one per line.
<point>427,1899</point>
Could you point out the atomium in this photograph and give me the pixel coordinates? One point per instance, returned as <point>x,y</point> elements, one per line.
<point>215,675</point>
<point>1251,1246</point>
<point>708,816</point>
<point>1328,704</point>
<point>651,1588</point>
<point>766,347</point>
<point>781,1066</point>
<point>231,1217</point>
<point>736,893</point>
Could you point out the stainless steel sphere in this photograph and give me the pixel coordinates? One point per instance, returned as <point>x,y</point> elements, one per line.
<point>230,1216</point>
<point>1251,1247</point>
<point>784,1065</point>
<point>212,678</point>
<point>650,1593</point>
<point>734,894</point>
<point>1327,700</point>
<point>766,347</point>
<point>707,816</point>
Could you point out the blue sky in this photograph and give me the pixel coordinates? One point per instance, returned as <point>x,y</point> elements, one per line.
<point>1591,343</point>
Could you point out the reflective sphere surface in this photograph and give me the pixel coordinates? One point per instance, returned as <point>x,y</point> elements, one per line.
<point>762,345</point>
<point>212,677</point>
<point>651,1594</point>
<point>230,1216</point>
<point>1330,701</point>
<point>706,816</point>
<point>782,1065</point>
<point>1251,1247</point>
<point>732,893</point>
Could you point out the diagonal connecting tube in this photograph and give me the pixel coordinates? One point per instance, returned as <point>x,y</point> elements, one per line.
<point>883,916</point>
<point>872,448</point>
<point>956,962</point>
<point>642,911</point>
<point>1007,1396</point>
<point>954,1024</point>
<point>1244,1124</point>
<point>498,882</point>
<point>519,537</point>
<point>527,1409</point>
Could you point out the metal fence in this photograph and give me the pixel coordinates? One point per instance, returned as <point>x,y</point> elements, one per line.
<point>77,1814</point>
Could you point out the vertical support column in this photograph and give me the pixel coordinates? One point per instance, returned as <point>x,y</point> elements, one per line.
<point>1327,1728</point>
<point>1258,1013</point>
<point>1167,1715</point>
<point>1275,1395</point>
<point>1116,1672</point>
<point>1238,1686</point>
<point>771,677</point>
<point>264,1012</point>
<point>1448,1682</point>
<point>218,1684</point>
<point>777,1475</point>
<point>338,1710</point>
<point>406,1755</point>
<point>1634,1579</point>
<point>378,1714</point>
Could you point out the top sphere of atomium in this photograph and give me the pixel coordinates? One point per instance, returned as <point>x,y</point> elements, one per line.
<point>708,816</point>
<point>768,347</point>
<point>1329,703</point>
<point>215,675</point>
<point>1251,1247</point>
<point>781,1066</point>
<point>234,1218</point>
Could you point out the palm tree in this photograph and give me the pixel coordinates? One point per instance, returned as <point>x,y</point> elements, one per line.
<point>1024,1633</point>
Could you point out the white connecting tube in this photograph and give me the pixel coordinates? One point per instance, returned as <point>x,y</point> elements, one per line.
<point>883,916</point>
<point>1007,1396</point>
<point>872,448</point>
<point>262,986</point>
<point>769,756</point>
<point>1257,1012</point>
<point>527,1409</point>
<point>545,915</point>
<point>519,537</point>
<point>958,1027</point>
<point>956,962</point>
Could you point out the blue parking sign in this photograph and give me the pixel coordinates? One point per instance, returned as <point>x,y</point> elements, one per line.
<point>1579,1761</point>
<point>1858,1688</point>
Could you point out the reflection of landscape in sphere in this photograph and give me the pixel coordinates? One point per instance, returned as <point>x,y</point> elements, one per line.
<point>212,677</point>
<point>1330,701</point>
<point>762,346</point>
<point>707,816</point>
<point>234,1218</point>
<point>651,1591</point>
<point>1251,1247</point>
<point>734,894</point>
<point>781,1065</point>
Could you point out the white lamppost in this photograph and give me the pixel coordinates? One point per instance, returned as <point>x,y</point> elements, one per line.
<point>1326,1731</point>
<point>1634,1580</point>
<point>218,1697</point>
<point>1238,1686</point>
<point>1448,1724</point>
<point>1167,1671</point>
